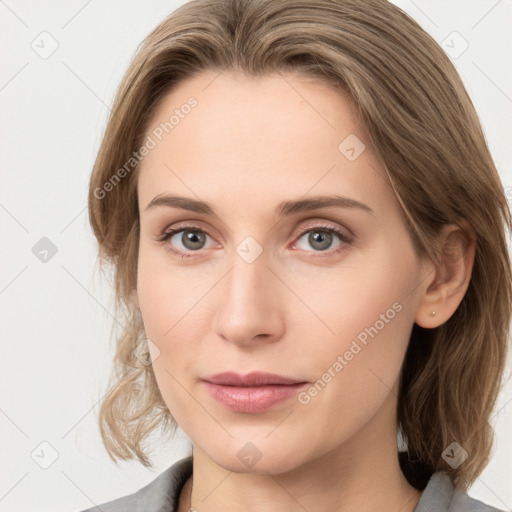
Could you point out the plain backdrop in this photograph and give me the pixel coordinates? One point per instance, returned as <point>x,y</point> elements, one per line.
<point>57,314</point>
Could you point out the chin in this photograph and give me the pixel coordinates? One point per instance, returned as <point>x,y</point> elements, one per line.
<point>257,457</point>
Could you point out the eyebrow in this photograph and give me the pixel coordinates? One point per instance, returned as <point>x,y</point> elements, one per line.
<point>285,208</point>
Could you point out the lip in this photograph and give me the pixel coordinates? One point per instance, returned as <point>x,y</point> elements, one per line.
<point>252,393</point>
<point>251,379</point>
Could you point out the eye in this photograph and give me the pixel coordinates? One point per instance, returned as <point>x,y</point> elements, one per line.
<point>192,239</point>
<point>321,237</point>
<point>184,241</point>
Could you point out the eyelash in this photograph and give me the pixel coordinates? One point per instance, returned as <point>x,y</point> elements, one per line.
<point>345,238</point>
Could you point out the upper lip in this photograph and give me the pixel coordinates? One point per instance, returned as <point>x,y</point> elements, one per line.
<point>250,379</point>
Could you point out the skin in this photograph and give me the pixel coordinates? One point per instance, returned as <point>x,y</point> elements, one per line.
<point>248,145</point>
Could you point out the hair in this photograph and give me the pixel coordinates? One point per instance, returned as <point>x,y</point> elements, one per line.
<point>425,131</point>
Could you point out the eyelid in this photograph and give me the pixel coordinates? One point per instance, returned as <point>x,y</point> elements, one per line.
<point>194,225</point>
<point>318,224</point>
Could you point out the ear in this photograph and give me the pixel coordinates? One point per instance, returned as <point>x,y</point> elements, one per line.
<point>449,279</point>
<point>134,299</point>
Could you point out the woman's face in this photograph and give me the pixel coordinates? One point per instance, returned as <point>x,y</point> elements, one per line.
<point>263,278</point>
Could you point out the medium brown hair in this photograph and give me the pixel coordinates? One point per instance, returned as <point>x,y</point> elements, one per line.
<point>423,127</point>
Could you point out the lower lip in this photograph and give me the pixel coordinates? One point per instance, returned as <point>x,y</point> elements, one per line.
<point>252,399</point>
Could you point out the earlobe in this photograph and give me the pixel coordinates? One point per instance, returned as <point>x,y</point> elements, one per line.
<point>446,288</point>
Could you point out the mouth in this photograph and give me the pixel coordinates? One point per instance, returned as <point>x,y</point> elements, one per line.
<point>252,393</point>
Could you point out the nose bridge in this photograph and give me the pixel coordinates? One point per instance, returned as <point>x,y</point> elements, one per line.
<point>244,282</point>
<point>248,267</point>
<point>247,305</point>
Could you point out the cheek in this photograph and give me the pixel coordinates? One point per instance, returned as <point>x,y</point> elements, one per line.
<point>371,289</point>
<point>172,306</point>
<point>164,308</point>
<point>168,295</point>
<point>365,316</point>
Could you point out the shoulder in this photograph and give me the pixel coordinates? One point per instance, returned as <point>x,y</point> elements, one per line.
<point>160,495</point>
<point>440,496</point>
<point>462,502</point>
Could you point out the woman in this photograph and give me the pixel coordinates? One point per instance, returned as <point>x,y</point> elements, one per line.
<point>309,240</point>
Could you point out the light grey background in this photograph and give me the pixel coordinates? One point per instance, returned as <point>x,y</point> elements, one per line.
<point>56,315</point>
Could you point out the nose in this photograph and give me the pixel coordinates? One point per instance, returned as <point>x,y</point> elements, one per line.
<point>249,311</point>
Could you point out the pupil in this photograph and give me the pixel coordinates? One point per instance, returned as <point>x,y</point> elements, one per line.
<point>323,239</point>
<point>193,238</point>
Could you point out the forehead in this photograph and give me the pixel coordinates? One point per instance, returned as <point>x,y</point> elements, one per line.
<point>274,134</point>
<point>286,105</point>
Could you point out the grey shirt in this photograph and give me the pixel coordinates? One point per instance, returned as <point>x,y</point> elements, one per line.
<point>162,495</point>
